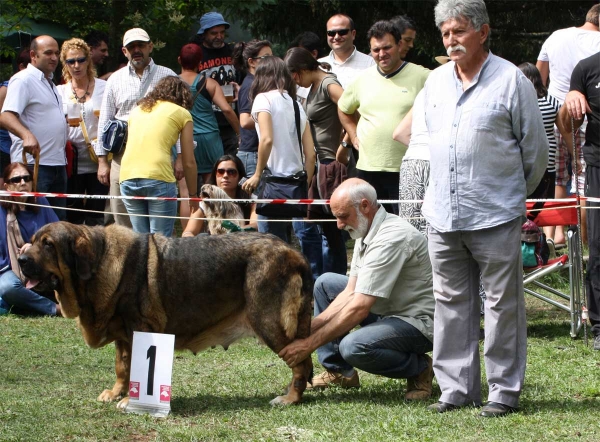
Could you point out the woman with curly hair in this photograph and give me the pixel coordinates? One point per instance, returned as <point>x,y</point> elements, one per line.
<point>82,87</point>
<point>161,117</point>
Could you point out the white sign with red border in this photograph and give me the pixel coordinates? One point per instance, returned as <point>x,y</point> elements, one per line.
<point>151,370</point>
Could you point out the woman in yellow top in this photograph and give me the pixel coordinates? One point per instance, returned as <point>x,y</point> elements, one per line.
<point>161,117</point>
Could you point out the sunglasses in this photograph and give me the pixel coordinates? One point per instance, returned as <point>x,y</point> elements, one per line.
<point>72,61</point>
<point>17,179</point>
<point>340,32</point>
<point>261,57</point>
<point>230,172</point>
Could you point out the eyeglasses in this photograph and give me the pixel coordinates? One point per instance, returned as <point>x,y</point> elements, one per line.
<point>17,179</point>
<point>340,32</point>
<point>72,61</point>
<point>261,57</point>
<point>231,172</point>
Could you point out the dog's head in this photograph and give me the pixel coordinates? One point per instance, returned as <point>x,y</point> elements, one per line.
<point>60,257</point>
<point>219,210</point>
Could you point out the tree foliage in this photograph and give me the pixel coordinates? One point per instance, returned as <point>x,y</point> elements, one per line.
<point>519,27</point>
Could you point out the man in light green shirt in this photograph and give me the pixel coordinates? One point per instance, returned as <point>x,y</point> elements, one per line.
<point>383,95</point>
<point>389,294</point>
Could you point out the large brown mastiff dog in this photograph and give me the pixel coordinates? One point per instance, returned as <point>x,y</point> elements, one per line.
<point>207,291</point>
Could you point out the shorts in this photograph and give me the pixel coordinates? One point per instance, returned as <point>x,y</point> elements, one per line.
<point>563,158</point>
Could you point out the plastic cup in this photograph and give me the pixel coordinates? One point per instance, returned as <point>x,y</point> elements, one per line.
<point>73,114</point>
<point>228,92</point>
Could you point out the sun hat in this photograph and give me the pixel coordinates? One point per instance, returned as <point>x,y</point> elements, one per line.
<point>135,34</point>
<point>210,20</point>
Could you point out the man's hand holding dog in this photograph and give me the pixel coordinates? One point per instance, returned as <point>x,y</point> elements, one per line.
<point>296,352</point>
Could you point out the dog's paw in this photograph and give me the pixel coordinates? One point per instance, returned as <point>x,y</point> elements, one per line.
<point>123,403</point>
<point>107,396</point>
<point>283,401</point>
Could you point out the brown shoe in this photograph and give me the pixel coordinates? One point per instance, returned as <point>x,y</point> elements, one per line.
<point>419,388</point>
<point>328,378</point>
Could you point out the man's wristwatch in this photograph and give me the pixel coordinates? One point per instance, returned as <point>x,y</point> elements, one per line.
<point>346,145</point>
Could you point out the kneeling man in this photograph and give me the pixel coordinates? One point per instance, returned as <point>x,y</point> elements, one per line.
<point>389,294</point>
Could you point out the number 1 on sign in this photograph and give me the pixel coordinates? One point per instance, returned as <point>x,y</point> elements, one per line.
<point>151,354</point>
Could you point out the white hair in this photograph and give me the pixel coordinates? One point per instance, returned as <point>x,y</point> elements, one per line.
<point>358,191</point>
<point>473,10</point>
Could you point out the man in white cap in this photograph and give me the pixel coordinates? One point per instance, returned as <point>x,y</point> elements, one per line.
<point>123,90</point>
<point>217,63</point>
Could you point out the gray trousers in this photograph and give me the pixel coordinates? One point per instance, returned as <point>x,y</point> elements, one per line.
<point>116,205</point>
<point>456,259</point>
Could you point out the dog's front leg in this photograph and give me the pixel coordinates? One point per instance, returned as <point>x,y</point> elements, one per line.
<point>122,369</point>
<point>302,373</point>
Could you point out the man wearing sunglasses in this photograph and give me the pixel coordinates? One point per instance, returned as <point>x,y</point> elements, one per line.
<point>33,114</point>
<point>345,60</point>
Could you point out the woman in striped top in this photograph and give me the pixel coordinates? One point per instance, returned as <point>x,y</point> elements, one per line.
<point>549,107</point>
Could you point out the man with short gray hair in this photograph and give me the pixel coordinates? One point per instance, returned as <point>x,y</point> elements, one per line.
<point>388,294</point>
<point>488,152</point>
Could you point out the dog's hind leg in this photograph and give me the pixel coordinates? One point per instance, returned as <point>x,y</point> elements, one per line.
<point>122,369</point>
<point>302,373</point>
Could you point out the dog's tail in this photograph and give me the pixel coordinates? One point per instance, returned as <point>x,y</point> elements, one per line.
<point>296,301</point>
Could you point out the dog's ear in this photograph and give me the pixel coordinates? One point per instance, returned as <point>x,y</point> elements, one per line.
<point>83,257</point>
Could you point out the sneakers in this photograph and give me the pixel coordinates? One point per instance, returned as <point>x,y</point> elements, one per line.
<point>419,388</point>
<point>328,378</point>
<point>597,342</point>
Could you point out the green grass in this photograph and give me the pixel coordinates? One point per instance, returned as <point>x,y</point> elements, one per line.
<point>49,381</point>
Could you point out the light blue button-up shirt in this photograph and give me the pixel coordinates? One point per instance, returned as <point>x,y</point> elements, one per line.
<point>488,146</point>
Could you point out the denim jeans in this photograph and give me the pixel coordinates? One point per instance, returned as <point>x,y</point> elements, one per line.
<point>53,179</point>
<point>14,294</point>
<point>385,346</point>
<point>249,159</point>
<point>150,188</point>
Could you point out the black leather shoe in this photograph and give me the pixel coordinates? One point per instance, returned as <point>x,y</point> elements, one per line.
<point>496,409</point>
<point>442,407</point>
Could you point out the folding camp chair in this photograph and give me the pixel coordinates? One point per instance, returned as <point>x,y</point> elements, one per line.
<point>559,213</point>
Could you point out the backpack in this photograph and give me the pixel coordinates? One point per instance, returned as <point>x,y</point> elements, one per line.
<point>534,248</point>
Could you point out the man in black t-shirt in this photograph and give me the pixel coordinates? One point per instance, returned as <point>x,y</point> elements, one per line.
<point>584,99</point>
<point>217,63</point>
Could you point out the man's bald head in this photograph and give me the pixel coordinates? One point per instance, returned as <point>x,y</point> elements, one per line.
<point>44,54</point>
<point>354,204</point>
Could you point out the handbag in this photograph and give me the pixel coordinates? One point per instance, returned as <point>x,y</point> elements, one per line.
<point>291,187</point>
<point>71,154</point>
<point>114,136</point>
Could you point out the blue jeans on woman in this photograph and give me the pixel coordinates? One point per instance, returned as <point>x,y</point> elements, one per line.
<point>386,346</point>
<point>13,294</point>
<point>154,208</point>
<point>249,160</point>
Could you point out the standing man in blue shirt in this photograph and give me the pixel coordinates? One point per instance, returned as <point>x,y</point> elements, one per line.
<point>488,152</point>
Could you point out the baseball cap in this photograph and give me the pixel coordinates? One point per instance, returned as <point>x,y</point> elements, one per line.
<point>135,34</point>
<point>210,20</point>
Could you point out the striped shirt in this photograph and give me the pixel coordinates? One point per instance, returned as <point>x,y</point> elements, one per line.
<point>549,107</point>
<point>123,90</point>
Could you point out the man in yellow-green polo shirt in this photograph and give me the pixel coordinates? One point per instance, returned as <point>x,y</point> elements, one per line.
<point>382,94</point>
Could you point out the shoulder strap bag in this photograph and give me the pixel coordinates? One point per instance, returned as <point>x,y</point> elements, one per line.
<point>293,187</point>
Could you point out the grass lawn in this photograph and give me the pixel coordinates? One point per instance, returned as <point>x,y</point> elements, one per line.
<point>49,381</point>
